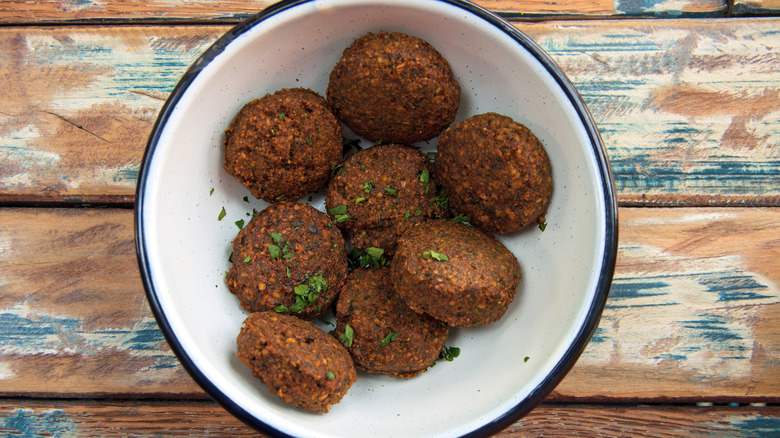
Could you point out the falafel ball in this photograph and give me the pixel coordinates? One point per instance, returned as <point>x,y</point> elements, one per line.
<point>300,363</point>
<point>455,273</point>
<point>288,258</point>
<point>393,87</point>
<point>282,145</point>
<point>495,171</point>
<point>387,336</point>
<point>381,191</point>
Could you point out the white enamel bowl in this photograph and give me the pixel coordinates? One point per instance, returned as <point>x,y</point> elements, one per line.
<point>183,248</point>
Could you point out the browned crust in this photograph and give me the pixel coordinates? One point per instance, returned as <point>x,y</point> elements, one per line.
<point>316,245</point>
<point>282,146</point>
<point>370,306</point>
<point>474,286</point>
<point>495,171</point>
<point>300,363</point>
<point>393,87</point>
<point>397,197</point>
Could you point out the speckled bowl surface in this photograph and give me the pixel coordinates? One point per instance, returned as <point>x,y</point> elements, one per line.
<point>504,369</point>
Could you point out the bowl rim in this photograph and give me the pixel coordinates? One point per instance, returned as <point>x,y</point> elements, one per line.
<point>607,265</point>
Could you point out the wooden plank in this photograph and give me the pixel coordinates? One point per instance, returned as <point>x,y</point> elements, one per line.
<point>155,418</point>
<point>689,110</point>
<point>231,11</point>
<point>755,7</point>
<point>694,311</point>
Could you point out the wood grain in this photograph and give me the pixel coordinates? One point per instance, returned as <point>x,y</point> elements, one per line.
<point>756,7</point>
<point>689,109</point>
<point>231,11</point>
<point>207,419</point>
<point>694,311</point>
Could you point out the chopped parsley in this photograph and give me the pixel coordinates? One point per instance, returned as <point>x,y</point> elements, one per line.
<point>347,337</point>
<point>367,186</point>
<point>281,309</point>
<point>461,218</point>
<point>330,375</point>
<point>391,192</point>
<point>359,200</point>
<point>389,338</point>
<point>246,198</point>
<point>308,140</point>
<point>526,359</point>
<point>407,214</point>
<point>307,294</point>
<point>240,224</point>
<point>449,353</point>
<point>339,218</point>
<point>247,259</point>
<point>341,209</point>
<point>373,257</point>
<point>222,214</point>
<point>542,225</point>
<point>275,251</point>
<point>334,169</point>
<point>435,255</point>
<point>431,156</point>
<point>442,200</point>
<point>211,192</point>
<point>281,116</point>
<point>277,238</point>
<point>425,177</point>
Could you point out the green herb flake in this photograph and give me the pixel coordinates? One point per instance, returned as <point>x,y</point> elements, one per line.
<point>442,200</point>
<point>417,212</point>
<point>407,214</point>
<point>339,218</point>
<point>435,255</point>
<point>449,353</point>
<point>341,209</point>
<point>281,309</point>
<point>347,337</point>
<point>461,219</point>
<point>525,359</point>
<point>281,116</point>
<point>389,338</point>
<point>288,272</point>
<point>359,200</point>
<point>391,192</point>
<point>375,253</point>
<point>279,198</point>
<point>367,186</point>
<point>330,375</point>
<point>542,225</point>
<point>247,259</point>
<point>424,176</point>
<point>277,238</point>
<point>431,156</point>
<point>308,140</point>
<point>211,192</point>
<point>275,251</point>
<point>246,198</point>
<point>222,214</point>
<point>240,223</point>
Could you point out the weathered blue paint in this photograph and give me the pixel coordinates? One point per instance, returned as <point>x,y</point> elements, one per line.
<point>756,426</point>
<point>736,288</point>
<point>26,423</point>
<point>712,327</point>
<point>22,334</point>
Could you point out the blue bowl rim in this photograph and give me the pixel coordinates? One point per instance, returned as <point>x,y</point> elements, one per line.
<point>607,183</point>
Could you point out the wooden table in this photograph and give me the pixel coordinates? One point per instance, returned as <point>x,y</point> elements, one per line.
<point>686,94</point>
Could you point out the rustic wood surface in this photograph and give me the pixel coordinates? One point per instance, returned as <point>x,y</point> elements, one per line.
<point>756,7</point>
<point>689,109</point>
<point>95,11</point>
<point>693,313</point>
<point>688,105</point>
<point>206,419</point>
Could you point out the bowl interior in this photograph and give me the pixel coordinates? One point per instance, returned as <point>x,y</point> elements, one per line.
<point>185,247</point>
